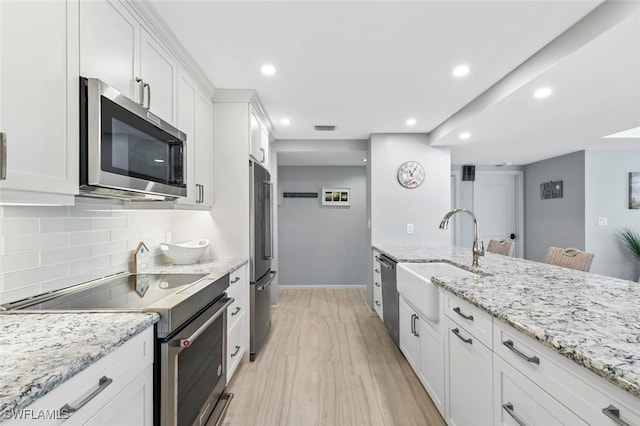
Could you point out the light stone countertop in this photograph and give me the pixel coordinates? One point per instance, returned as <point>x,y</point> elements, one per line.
<point>213,268</point>
<point>591,319</point>
<point>41,351</point>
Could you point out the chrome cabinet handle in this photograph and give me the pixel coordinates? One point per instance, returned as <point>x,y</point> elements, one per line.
<point>102,385</point>
<point>413,325</point>
<point>531,359</point>
<point>236,351</point>
<point>457,333</point>
<point>377,303</point>
<point>377,284</point>
<point>148,95</point>
<point>467,317</point>
<point>377,271</point>
<point>185,343</point>
<point>264,155</point>
<point>508,407</point>
<point>238,308</point>
<point>614,414</point>
<point>412,330</point>
<point>140,90</point>
<point>3,156</point>
<point>235,280</point>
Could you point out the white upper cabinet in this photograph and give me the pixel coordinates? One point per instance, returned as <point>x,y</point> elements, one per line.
<point>259,139</point>
<point>39,102</point>
<point>116,48</point>
<point>159,71</point>
<point>110,46</point>
<point>194,119</point>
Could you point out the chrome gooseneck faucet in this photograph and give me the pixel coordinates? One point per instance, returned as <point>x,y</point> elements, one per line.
<point>478,246</point>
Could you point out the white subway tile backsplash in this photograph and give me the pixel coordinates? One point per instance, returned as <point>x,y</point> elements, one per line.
<point>13,280</point>
<point>65,254</point>
<point>88,237</point>
<point>48,248</point>
<point>31,242</point>
<point>17,226</point>
<point>16,262</point>
<point>64,224</point>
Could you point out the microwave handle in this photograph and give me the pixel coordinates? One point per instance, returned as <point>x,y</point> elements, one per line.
<point>176,150</point>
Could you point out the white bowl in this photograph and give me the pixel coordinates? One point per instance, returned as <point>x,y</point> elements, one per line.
<point>185,253</point>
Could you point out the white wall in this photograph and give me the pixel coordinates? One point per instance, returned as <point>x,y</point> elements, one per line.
<point>393,206</point>
<point>607,195</point>
<point>48,248</point>
<point>322,245</point>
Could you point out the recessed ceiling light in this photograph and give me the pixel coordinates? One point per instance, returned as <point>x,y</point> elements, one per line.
<point>542,92</point>
<point>285,121</point>
<point>268,69</point>
<point>461,70</point>
<point>464,135</point>
<point>158,160</point>
<point>411,121</point>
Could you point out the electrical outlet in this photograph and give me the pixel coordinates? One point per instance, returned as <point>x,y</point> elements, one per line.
<point>169,237</point>
<point>409,228</point>
<point>602,221</point>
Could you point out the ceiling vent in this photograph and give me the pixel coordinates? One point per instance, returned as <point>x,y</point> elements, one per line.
<point>325,128</point>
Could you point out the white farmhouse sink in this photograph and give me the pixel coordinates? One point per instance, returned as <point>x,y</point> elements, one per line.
<point>414,282</point>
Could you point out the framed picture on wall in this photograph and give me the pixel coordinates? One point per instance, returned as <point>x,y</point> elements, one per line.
<point>336,196</point>
<point>634,190</point>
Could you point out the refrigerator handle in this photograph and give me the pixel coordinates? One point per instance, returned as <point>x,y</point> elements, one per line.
<point>267,226</point>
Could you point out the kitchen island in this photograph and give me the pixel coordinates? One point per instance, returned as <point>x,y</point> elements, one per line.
<point>592,320</point>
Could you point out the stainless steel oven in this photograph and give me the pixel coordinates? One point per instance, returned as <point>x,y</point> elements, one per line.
<point>193,369</point>
<point>125,150</point>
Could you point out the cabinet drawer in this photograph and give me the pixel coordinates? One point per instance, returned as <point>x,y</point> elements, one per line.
<point>236,346</point>
<point>579,389</point>
<point>377,300</point>
<point>475,321</point>
<point>238,278</point>
<point>238,307</point>
<point>518,399</point>
<point>122,366</point>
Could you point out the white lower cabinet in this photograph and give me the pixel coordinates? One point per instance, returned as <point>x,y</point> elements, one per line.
<point>377,286</point>
<point>518,401</point>
<point>237,320</point>
<point>115,390</point>
<point>236,347</point>
<point>423,347</point>
<point>468,378</point>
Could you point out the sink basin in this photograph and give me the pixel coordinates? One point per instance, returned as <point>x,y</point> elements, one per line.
<point>414,282</point>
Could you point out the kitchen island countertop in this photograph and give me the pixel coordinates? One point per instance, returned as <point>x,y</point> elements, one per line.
<point>39,351</point>
<point>591,319</point>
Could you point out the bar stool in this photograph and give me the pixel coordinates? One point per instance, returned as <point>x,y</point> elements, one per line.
<point>503,247</point>
<point>569,258</point>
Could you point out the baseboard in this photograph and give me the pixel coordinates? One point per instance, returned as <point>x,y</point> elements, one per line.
<point>321,286</point>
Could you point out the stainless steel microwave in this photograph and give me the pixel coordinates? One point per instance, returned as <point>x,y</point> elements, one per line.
<point>125,150</point>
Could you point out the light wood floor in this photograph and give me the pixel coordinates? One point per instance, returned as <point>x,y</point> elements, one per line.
<point>328,361</point>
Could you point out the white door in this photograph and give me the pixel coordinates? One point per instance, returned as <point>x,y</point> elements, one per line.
<point>497,205</point>
<point>159,69</point>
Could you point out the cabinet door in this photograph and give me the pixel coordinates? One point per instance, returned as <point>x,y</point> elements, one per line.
<point>158,69</point>
<point>132,406</point>
<point>431,371</point>
<point>264,146</point>
<point>187,124</point>
<point>409,334</point>
<point>254,138</point>
<point>468,378</point>
<point>39,101</point>
<point>204,149</point>
<point>110,45</point>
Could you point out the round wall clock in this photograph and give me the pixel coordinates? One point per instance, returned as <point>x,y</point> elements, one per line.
<point>411,174</point>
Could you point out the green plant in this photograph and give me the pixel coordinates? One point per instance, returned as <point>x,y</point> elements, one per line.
<point>632,240</point>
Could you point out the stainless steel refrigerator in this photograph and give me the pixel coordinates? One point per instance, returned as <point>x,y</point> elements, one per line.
<point>261,255</point>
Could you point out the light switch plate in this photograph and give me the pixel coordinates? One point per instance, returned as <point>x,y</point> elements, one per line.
<point>602,221</point>
<point>409,228</point>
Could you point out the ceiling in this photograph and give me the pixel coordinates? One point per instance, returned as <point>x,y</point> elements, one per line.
<point>367,66</point>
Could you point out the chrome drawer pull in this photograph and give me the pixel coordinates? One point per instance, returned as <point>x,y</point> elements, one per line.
<point>457,333</point>
<point>413,331</point>
<point>236,311</point>
<point>467,317</point>
<point>531,359</point>
<point>614,414</point>
<point>377,284</point>
<point>508,407</point>
<point>102,385</point>
<point>377,271</point>
<point>235,280</point>
<point>413,325</point>
<point>236,351</point>
<point>377,303</point>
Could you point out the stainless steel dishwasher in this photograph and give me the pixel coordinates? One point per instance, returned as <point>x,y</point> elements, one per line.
<point>389,296</point>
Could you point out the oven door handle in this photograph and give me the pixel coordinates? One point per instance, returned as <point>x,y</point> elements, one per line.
<point>185,343</point>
